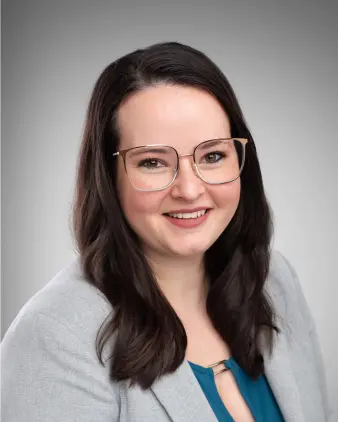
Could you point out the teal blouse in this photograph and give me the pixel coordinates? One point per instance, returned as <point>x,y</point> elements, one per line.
<point>257,393</point>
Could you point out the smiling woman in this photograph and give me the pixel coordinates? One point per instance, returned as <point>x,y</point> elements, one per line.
<point>176,308</point>
<point>192,127</point>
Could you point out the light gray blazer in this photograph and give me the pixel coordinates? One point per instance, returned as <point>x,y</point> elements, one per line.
<point>50,371</point>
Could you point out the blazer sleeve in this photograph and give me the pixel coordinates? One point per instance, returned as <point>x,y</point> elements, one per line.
<point>50,374</point>
<point>304,307</point>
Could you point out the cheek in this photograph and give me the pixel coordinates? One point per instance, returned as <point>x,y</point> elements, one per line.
<point>228,195</point>
<point>137,205</point>
<point>140,204</point>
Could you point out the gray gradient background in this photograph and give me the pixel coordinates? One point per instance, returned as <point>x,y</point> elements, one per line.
<point>282,60</point>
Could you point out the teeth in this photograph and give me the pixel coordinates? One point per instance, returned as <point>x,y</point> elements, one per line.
<point>189,214</point>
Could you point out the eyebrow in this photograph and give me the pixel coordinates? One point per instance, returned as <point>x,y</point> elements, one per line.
<point>142,150</point>
<point>210,143</point>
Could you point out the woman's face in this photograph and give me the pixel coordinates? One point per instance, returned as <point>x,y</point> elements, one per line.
<point>181,117</point>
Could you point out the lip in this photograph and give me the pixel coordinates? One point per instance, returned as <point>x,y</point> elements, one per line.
<point>186,210</point>
<point>188,223</point>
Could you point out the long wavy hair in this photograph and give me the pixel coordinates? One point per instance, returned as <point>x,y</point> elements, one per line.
<point>150,339</point>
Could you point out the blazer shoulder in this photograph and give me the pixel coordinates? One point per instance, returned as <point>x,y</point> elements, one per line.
<point>70,299</point>
<point>284,287</point>
<point>49,356</point>
<point>282,274</point>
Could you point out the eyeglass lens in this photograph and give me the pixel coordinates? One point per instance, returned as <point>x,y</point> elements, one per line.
<point>154,167</point>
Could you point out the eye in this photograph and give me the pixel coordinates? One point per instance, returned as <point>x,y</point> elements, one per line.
<point>150,163</point>
<point>213,157</point>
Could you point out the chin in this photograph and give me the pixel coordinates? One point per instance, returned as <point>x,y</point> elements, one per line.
<point>190,250</point>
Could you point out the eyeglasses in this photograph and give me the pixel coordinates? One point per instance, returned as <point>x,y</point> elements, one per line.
<point>155,167</point>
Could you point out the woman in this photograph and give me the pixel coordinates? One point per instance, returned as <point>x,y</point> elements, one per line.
<point>176,308</point>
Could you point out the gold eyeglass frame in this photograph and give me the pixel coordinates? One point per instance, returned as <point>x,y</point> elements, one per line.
<point>122,153</point>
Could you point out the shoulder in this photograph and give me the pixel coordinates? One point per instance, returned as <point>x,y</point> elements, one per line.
<point>286,292</point>
<point>69,299</point>
<point>281,272</point>
<point>66,314</point>
<point>49,355</point>
<point>282,278</point>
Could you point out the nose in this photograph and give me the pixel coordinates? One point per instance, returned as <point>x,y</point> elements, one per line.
<point>187,184</point>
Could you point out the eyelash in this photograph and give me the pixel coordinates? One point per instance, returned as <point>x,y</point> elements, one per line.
<point>221,154</point>
<point>148,160</point>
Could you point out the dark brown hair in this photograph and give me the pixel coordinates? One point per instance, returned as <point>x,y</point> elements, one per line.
<point>150,339</point>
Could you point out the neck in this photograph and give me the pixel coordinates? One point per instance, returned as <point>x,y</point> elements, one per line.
<point>182,281</point>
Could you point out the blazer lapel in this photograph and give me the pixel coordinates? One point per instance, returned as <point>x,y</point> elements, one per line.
<point>279,370</point>
<point>184,400</point>
<point>279,373</point>
<point>182,396</point>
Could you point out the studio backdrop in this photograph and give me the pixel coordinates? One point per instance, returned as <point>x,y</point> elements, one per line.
<point>280,57</point>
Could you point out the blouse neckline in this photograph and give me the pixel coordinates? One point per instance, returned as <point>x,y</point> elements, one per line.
<point>209,371</point>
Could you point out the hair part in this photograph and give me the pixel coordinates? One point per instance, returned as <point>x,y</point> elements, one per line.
<point>237,264</point>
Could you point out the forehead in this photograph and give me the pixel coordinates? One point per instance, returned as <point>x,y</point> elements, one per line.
<point>173,115</point>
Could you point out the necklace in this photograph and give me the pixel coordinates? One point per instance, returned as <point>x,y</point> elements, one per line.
<point>218,363</point>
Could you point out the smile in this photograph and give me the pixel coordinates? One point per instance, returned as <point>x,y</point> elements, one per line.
<point>188,220</point>
<point>188,215</point>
